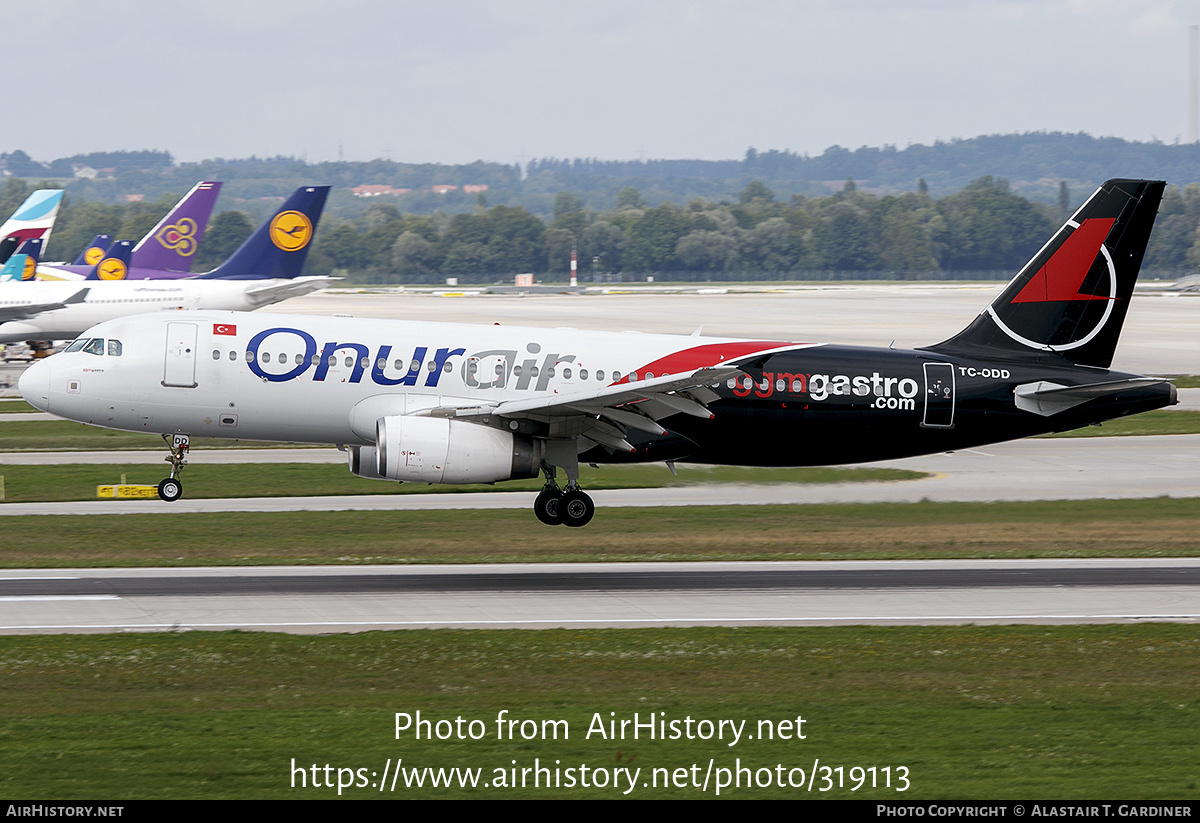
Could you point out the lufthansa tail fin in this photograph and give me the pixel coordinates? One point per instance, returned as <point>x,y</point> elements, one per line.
<point>95,251</point>
<point>280,246</point>
<point>170,245</point>
<point>1070,300</point>
<point>114,265</point>
<point>22,265</point>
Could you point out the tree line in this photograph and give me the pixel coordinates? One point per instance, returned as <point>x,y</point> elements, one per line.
<point>983,230</point>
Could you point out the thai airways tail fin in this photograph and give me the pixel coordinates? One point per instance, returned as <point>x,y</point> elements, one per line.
<point>1070,300</point>
<point>115,263</point>
<point>171,244</point>
<point>279,247</point>
<point>35,217</point>
<point>22,265</point>
<point>95,251</point>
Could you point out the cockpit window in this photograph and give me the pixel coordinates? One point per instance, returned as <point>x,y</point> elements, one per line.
<point>95,346</point>
<point>77,345</point>
<point>114,348</point>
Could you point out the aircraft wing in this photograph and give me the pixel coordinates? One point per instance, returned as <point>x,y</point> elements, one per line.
<point>31,310</point>
<point>604,415</point>
<point>274,291</point>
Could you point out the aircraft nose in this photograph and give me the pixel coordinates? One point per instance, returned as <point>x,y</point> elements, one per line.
<point>34,385</point>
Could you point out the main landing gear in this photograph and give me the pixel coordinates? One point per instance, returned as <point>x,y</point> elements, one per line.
<point>554,506</point>
<point>171,489</point>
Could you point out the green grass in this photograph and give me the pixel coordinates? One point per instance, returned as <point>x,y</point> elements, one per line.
<point>1146,423</point>
<point>1186,381</point>
<point>1161,527</point>
<point>27,484</point>
<point>16,407</point>
<point>63,435</point>
<point>1062,712</point>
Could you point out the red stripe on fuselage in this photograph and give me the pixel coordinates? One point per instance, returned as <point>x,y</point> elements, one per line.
<point>1062,275</point>
<point>698,357</point>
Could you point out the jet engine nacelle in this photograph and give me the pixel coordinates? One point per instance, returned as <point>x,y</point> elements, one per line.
<point>364,462</point>
<point>441,450</point>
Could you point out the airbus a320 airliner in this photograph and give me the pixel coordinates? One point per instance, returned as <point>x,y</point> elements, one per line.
<point>446,403</point>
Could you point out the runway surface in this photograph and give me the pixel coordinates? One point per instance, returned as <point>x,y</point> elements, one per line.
<point>1067,469</point>
<point>1159,338</point>
<point>322,600</point>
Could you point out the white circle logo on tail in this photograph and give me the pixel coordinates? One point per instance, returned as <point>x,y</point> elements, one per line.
<point>1051,311</point>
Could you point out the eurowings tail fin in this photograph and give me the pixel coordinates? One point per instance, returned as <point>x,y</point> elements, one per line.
<point>1070,300</point>
<point>279,247</point>
<point>35,217</point>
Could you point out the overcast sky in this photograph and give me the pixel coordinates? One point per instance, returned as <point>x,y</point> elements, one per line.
<point>453,82</point>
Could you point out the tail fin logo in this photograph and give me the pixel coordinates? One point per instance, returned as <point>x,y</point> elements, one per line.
<point>30,269</point>
<point>93,255</point>
<point>291,230</point>
<point>1078,279</point>
<point>180,237</point>
<point>112,269</point>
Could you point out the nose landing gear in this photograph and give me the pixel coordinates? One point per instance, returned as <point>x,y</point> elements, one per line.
<point>170,489</point>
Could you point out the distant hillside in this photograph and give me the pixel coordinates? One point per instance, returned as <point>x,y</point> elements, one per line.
<point>1035,165</point>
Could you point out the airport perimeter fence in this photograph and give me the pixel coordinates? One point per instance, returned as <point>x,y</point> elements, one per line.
<point>379,278</point>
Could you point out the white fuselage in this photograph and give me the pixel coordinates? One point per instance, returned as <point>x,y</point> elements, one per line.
<point>107,300</point>
<point>328,380</point>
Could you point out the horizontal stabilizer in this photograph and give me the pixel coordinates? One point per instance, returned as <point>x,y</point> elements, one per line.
<point>1045,398</point>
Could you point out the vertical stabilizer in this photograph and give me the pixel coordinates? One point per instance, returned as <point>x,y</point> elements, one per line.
<point>95,250</point>
<point>22,265</point>
<point>1070,300</point>
<point>35,217</point>
<point>115,263</point>
<point>279,247</point>
<point>171,245</point>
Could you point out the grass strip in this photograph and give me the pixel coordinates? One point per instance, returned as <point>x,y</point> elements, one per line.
<point>1063,712</point>
<point>30,484</point>
<point>1158,527</point>
<point>1161,421</point>
<point>63,435</point>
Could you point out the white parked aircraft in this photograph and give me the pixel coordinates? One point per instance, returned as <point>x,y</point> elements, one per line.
<point>262,271</point>
<point>448,403</point>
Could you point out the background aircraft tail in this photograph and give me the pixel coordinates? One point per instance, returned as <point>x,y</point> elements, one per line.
<point>8,247</point>
<point>1070,300</point>
<point>22,265</point>
<point>35,217</point>
<point>280,246</point>
<point>115,263</point>
<point>95,251</point>
<point>171,244</point>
